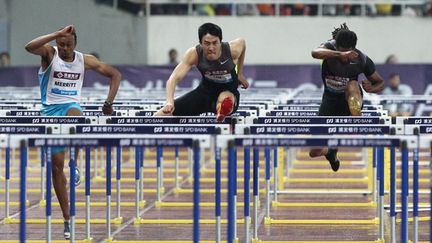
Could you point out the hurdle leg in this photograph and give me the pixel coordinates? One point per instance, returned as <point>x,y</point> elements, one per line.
<point>246,193</point>
<point>159,172</point>
<point>87,192</point>
<point>142,152</point>
<point>405,187</point>
<point>392,195</point>
<point>72,192</point>
<point>48,194</point>
<point>430,196</point>
<point>196,195</point>
<point>267,183</point>
<point>23,189</point>
<point>27,155</point>
<point>255,192</point>
<point>415,194</point>
<point>231,186</point>
<point>108,192</point>
<point>137,183</point>
<point>381,193</point>
<point>118,185</point>
<point>161,168</point>
<point>275,174</point>
<point>41,153</point>
<point>218,194</point>
<point>176,151</point>
<point>235,196</point>
<point>374,176</point>
<point>7,182</point>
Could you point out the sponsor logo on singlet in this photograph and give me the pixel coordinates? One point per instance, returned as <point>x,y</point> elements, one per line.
<point>336,83</point>
<point>66,75</point>
<point>219,76</point>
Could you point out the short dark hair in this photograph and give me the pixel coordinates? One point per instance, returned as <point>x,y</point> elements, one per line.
<point>5,53</point>
<point>172,51</point>
<point>346,39</point>
<point>73,34</point>
<point>343,26</point>
<point>209,28</point>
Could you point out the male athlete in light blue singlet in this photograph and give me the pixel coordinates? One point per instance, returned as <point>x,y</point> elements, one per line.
<point>61,77</point>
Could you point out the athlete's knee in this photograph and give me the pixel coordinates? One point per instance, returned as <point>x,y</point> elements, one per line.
<point>224,95</point>
<point>315,152</point>
<point>74,112</point>
<point>354,99</point>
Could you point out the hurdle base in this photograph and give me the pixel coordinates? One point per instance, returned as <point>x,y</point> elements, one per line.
<point>89,240</point>
<point>411,219</point>
<point>374,221</point>
<point>147,180</point>
<point>14,204</point>
<point>8,220</point>
<point>42,204</point>
<point>176,190</point>
<point>267,220</point>
<point>142,203</point>
<point>54,221</point>
<point>208,191</point>
<point>158,204</point>
<point>98,179</point>
<point>137,221</point>
<point>109,240</point>
<point>256,240</point>
<point>117,221</point>
<point>324,204</point>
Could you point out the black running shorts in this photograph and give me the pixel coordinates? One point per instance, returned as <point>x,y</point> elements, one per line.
<point>202,99</point>
<point>333,104</point>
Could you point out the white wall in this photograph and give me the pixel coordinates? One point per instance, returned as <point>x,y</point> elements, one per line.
<point>118,37</point>
<point>289,40</point>
<point>4,40</point>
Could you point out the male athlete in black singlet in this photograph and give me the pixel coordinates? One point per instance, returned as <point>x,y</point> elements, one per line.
<point>342,63</point>
<point>216,60</point>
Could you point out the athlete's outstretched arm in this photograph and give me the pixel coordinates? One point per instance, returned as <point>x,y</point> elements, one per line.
<point>189,59</point>
<point>322,52</point>
<point>39,46</point>
<point>238,50</point>
<point>374,83</point>
<point>91,62</point>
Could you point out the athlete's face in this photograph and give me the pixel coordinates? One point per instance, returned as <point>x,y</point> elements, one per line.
<point>212,47</point>
<point>66,47</point>
<point>394,82</point>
